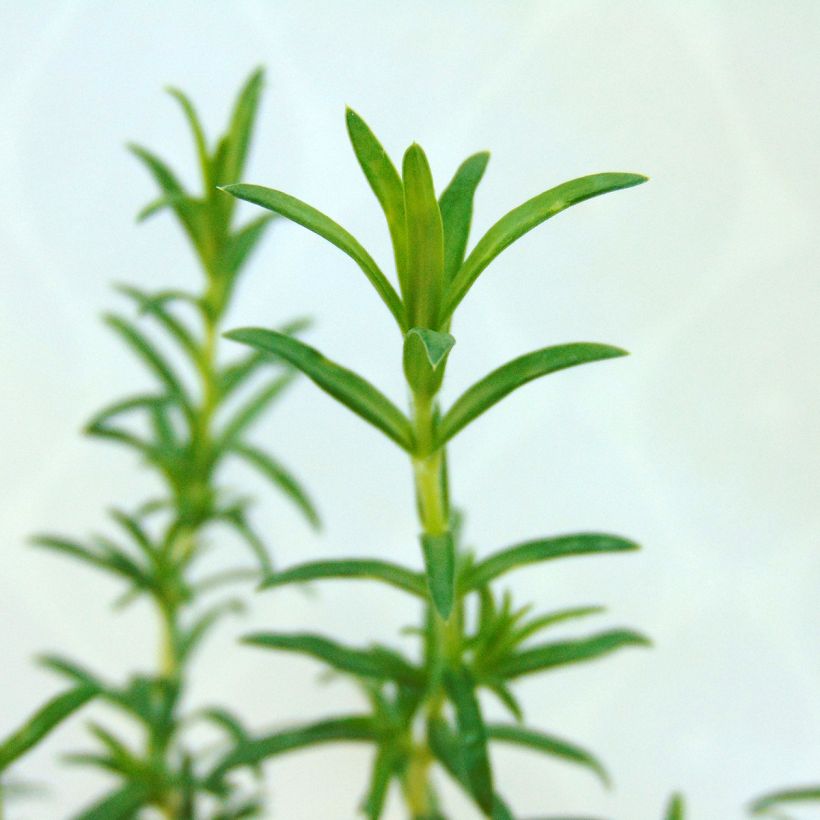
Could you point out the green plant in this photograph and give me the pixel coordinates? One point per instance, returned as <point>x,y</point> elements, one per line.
<point>197,418</point>
<point>427,711</point>
<point>775,804</point>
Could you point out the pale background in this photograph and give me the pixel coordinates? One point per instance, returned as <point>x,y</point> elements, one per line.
<point>703,445</point>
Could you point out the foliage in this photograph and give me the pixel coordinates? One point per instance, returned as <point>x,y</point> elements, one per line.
<point>427,710</point>
<point>194,420</point>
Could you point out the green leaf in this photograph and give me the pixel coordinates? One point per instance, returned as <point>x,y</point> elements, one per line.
<point>508,699</point>
<point>456,206</point>
<point>512,375</point>
<point>344,385</point>
<point>440,562</point>
<point>303,214</point>
<point>198,134</point>
<point>387,761</point>
<point>281,477</point>
<point>119,804</point>
<point>188,211</point>
<point>43,721</point>
<point>548,744</point>
<point>806,794</point>
<point>241,245</point>
<point>249,412</point>
<point>155,306</point>
<point>676,810</point>
<point>562,653</point>
<point>425,242</point>
<point>542,549</point>
<point>240,128</point>
<point>355,728</point>
<point>386,184</point>
<point>352,568</point>
<point>524,218</point>
<point>190,638</point>
<point>472,734</point>
<point>151,356</point>
<point>377,662</point>
<point>424,358</point>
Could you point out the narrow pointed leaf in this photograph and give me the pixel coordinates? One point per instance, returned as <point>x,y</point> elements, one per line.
<point>548,744</point>
<point>456,206</point>
<point>542,549</point>
<point>425,242</point>
<point>281,477</point>
<point>526,217</point>
<point>309,217</point>
<point>440,561</point>
<point>676,810</point>
<point>355,728</point>
<point>118,805</point>
<point>353,568</point>
<point>472,734</point>
<point>43,721</point>
<point>386,184</point>
<point>385,764</point>
<point>198,134</point>
<point>563,653</point>
<point>807,794</point>
<point>344,385</point>
<point>241,127</point>
<point>243,243</point>
<point>492,388</point>
<point>376,662</point>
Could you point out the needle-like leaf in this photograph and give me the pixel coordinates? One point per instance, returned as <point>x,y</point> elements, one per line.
<point>501,382</point>
<point>351,568</point>
<point>548,744</point>
<point>344,385</point>
<point>542,549</point>
<point>440,563</point>
<point>456,206</point>
<point>676,810</point>
<point>425,242</point>
<point>524,218</point>
<point>769,802</point>
<point>303,214</point>
<point>386,184</point>
<point>43,721</point>
<point>562,653</point>
<point>119,804</point>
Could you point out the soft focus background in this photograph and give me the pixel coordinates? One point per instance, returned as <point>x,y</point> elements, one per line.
<point>704,444</point>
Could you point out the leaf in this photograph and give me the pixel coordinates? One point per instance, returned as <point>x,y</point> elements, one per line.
<point>188,211</point>
<point>386,184</point>
<point>388,759</point>
<point>190,639</point>
<point>43,721</point>
<point>149,354</point>
<point>246,415</point>
<point>542,549</point>
<point>676,810</point>
<point>352,568</point>
<point>425,354</point>
<point>524,218</point>
<point>119,804</point>
<point>353,728</point>
<point>512,375</point>
<point>376,662</point>
<point>425,242</point>
<point>156,308</point>
<point>241,245</point>
<point>456,206</point>
<point>303,214</point>
<point>241,127</point>
<point>508,699</point>
<point>344,385</point>
<point>562,653</point>
<point>548,744</point>
<point>440,562</point>
<point>806,794</point>
<point>138,402</point>
<point>198,134</point>
<point>472,734</point>
<point>281,477</point>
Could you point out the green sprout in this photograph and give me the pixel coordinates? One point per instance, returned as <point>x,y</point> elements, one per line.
<point>427,711</point>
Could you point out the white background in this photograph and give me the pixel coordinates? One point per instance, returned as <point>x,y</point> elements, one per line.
<point>703,444</point>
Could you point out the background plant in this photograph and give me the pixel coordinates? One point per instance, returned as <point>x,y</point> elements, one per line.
<point>426,711</point>
<point>195,420</point>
